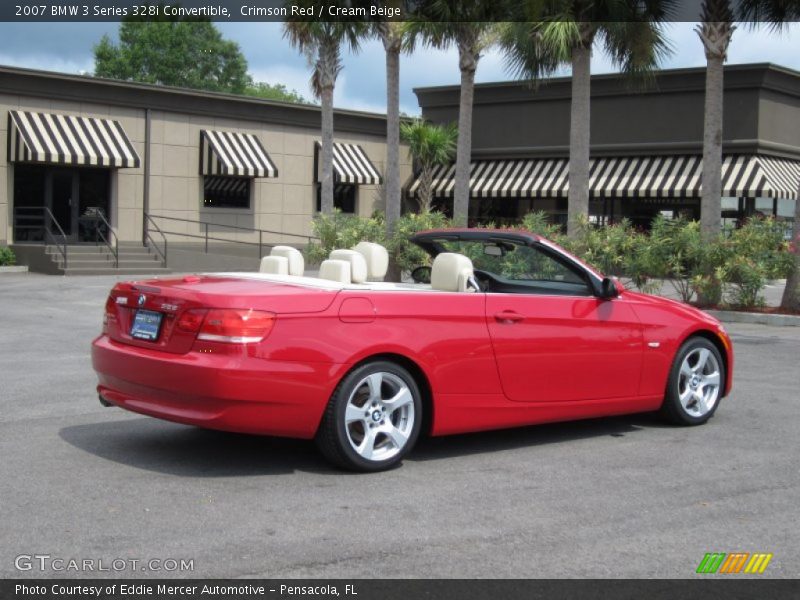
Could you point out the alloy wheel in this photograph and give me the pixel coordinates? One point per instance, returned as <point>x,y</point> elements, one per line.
<point>699,382</point>
<point>379,416</point>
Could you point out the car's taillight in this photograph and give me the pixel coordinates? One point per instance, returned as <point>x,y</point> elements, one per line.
<point>110,312</point>
<point>191,320</point>
<point>236,326</point>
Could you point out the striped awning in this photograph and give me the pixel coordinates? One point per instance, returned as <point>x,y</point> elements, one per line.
<point>350,165</point>
<point>68,140</point>
<point>234,154</point>
<point>681,177</point>
<point>623,177</point>
<point>534,178</point>
<point>233,186</point>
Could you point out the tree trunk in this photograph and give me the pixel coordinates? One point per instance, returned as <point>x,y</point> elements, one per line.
<point>791,295</point>
<point>424,190</point>
<point>392,183</point>
<point>464,151</point>
<point>326,98</point>
<point>579,136</point>
<point>711,202</point>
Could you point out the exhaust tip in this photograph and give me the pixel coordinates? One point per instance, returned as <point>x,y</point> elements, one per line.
<point>103,401</point>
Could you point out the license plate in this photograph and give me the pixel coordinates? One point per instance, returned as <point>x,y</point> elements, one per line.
<point>146,324</point>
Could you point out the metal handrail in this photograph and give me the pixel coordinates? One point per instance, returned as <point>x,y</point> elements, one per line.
<point>47,232</point>
<point>113,249</point>
<point>207,238</point>
<point>149,221</point>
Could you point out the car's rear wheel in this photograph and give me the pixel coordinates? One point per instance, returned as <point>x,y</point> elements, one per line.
<point>373,418</point>
<point>695,383</point>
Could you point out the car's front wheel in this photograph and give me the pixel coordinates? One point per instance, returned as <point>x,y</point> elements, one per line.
<point>373,418</point>
<point>695,383</point>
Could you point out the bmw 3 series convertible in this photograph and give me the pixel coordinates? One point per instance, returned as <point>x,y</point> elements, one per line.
<point>504,329</point>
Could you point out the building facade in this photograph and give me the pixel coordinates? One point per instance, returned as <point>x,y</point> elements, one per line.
<point>82,155</point>
<point>646,145</point>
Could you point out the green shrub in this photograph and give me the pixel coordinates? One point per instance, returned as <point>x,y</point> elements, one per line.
<point>345,231</point>
<point>538,222</point>
<point>7,257</point>
<point>405,254</point>
<point>733,268</point>
<point>749,256</point>
<point>676,253</point>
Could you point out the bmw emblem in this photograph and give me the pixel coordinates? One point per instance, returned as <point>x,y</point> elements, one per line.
<point>141,299</point>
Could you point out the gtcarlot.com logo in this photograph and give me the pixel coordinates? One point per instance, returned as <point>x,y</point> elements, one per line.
<point>46,562</point>
<point>734,562</point>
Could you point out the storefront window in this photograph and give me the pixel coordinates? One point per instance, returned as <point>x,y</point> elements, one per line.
<point>226,192</point>
<point>344,197</point>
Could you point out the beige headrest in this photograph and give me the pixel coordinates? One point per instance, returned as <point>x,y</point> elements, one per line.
<point>297,264</point>
<point>335,270</point>
<point>451,272</point>
<point>274,265</point>
<point>377,258</point>
<point>358,266</point>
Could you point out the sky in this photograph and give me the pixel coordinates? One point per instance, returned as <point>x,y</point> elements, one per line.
<point>67,47</point>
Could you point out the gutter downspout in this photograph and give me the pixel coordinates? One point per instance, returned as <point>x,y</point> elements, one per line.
<point>146,188</point>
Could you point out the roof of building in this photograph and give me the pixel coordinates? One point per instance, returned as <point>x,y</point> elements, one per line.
<point>81,88</point>
<point>763,75</point>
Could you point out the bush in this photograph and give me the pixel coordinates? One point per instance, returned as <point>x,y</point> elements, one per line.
<point>405,254</point>
<point>539,223</point>
<point>345,231</point>
<point>734,267</point>
<point>618,250</point>
<point>7,257</point>
<point>749,256</point>
<point>676,253</point>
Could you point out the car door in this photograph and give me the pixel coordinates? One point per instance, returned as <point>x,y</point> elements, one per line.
<point>554,341</point>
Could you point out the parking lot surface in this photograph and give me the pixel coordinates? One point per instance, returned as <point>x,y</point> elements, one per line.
<point>615,497</point>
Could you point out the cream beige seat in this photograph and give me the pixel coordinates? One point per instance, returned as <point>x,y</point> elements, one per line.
<point>283,260</point>
<point>377,259</point>
<point>358,266</point>
<point>335,270</point>
<point>452,273</point>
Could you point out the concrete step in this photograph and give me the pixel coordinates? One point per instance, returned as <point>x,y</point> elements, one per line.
<point>134,250</point>
<point>77,250</point>
<point>128,264</point>
<point>121,271</point>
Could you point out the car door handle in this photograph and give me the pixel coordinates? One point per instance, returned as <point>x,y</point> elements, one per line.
<point>508,317</point>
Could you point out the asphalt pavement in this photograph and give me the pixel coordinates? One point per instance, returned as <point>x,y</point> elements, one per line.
<point>614,497</point>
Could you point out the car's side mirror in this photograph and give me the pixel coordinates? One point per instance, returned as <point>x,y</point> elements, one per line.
<point>608,289</point>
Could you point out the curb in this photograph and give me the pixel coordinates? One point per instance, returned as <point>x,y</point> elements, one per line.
<point>732,316</point>
<point>14,269</point>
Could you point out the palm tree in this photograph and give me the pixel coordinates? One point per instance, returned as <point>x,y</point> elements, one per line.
<point>442,24</point>
<point>392,34</point>
<point>321,42</point>
<point>430,146</point>
<point>776,14</point>
<point>791,293</point>
<point>631,35</point>
<point>715,31</point>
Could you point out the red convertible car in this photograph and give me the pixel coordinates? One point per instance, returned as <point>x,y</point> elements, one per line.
<point>504,329</point>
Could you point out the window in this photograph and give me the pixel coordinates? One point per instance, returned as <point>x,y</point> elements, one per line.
<point>344,197</point>
<point>516,268</point>
<point>226,192</point>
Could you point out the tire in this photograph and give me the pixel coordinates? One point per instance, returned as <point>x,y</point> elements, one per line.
<point>373,418</point>
<point>695,383</point>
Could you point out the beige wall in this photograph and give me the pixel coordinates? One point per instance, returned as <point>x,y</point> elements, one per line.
<point>284,204</point>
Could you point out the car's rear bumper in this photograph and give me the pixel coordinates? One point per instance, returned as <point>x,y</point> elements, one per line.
<point>241,393</point>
